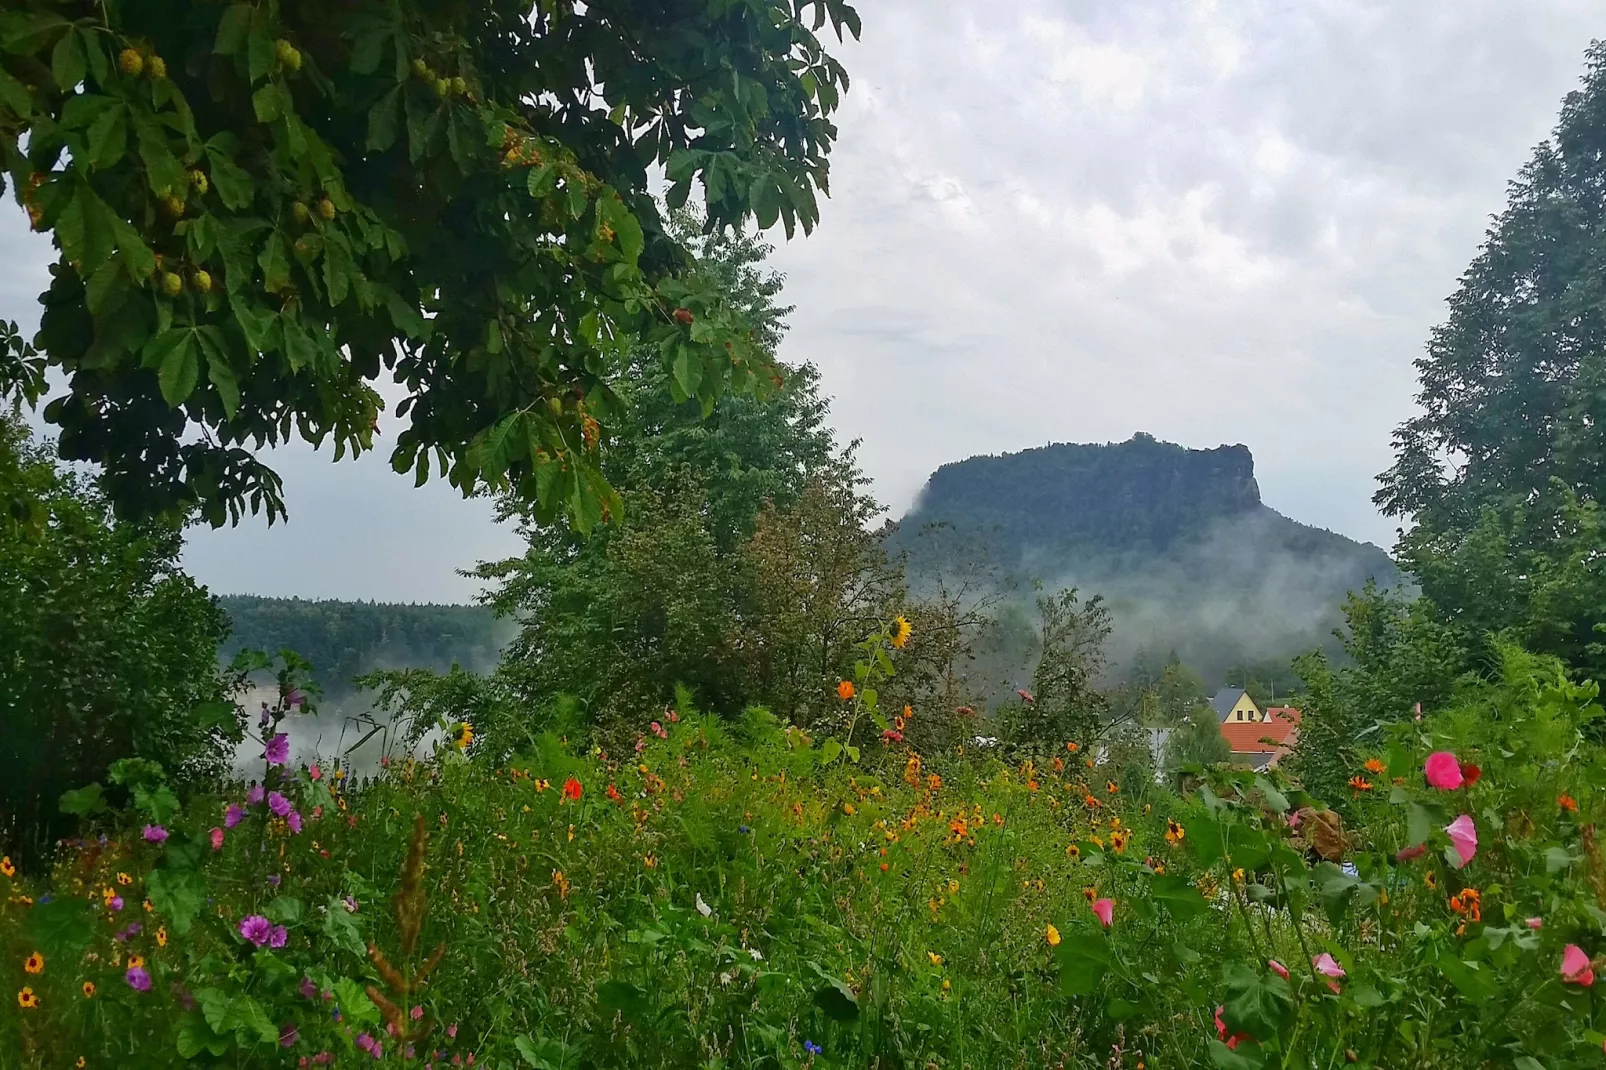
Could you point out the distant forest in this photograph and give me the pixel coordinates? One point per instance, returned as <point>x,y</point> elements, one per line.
<point>347,639</point>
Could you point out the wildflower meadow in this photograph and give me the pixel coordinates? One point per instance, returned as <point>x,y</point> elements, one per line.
<point>740,894</point>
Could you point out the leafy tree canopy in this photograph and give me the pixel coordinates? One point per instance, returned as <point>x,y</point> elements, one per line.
<point>263,208</point>
<point>1501,475</point>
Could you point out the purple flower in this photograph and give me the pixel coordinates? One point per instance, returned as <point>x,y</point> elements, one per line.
<point>116,903</point>
<point>294,821</point>
<point>811,1047</point>
<point>365,1042</point>
<point>350,903</point>
<point>308,989</point>
<point>233,815</point>
<point>278,936</point>
<point>277,752</point>
<point>274,879</point>
<point>295,697</point>
<point>256,928</point>
<point>278,804</point>
<point>254,796</point>
<point>155,834</point>
<point>138,979</point>
<point>287,1035</point>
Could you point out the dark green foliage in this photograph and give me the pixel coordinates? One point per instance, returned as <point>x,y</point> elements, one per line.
<point>107,650</point>
<point>341,640</point>
<point>1501,475</point>
<point>263,210</point>
<point>1176,540</point>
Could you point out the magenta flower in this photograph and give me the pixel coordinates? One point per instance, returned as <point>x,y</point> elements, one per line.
<point>217,839</point>
<point>1443,771</point>
<point>1278,968</point>
<point>277,936</point>
<point>1464,838</point>
<point>256,928</point>
<point>138,979</point>
<point>277,752</point>
<point>1575,966</point>
<point>155,834</point>
<point>116,903</point>
<point>233,815</point>
<point>365,1042</point>
<point>1327,966</point>
<point>294,821</point>
<point>287,1035</point>
<point>278,804</point>
<point>308,989</point>
<point>254,796</point>
<point>1104,909</point>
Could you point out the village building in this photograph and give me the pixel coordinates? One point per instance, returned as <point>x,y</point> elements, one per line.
<point>1257,738</point>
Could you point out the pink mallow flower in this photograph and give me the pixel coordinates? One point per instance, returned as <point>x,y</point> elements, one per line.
<point>1327,966</point>
<point>1233,1040</point>
<point>256,928</point>
<point>1464,838</point>
<point>1443,771</point>
<point>253,797</point>
<point>1104,909</point>
<point>1536,923</point>
<point>314,772</point>
<point>138,979</point>
<point>1277,968</point>
<point>278,804</point>
<point>155,834</point>
<point>294,821</point>
<point>277,752</point>
<point>217,839</point>
<point>233,815</point>
<point>1575,966</point>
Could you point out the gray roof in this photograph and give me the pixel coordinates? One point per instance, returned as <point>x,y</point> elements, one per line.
<point>1223,701</point>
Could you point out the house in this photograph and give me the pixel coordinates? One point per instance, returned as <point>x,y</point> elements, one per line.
<point>1262,743</point>
<point>1233,705</point>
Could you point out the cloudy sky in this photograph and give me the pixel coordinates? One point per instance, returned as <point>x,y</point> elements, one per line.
<point>1069,220</point>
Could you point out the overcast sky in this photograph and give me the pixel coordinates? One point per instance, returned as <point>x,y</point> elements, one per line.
<point>1063,221</point>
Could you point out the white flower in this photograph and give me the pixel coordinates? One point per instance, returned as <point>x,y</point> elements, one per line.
<point>703,908</point>
<point>758,956</point>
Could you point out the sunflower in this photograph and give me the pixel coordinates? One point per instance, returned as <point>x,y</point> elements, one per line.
<point>464,736</point>
<point>34,963</point>
<point>89,990</point>
<point>27,999</point>
<point>901,631</point>
<point>1174,832</point>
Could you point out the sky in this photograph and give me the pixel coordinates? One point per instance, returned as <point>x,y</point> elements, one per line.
<point>1067,221</point>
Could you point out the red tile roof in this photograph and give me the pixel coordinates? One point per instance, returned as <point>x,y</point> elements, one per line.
<point>1277,733</point>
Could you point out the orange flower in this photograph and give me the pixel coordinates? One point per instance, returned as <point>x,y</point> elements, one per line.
<point>572,789</point>
<point>1118,841</point>
<point>1072,747</point>
<point>844,690</point>
<point>34,963</point>
<point>613,793</point>
<point>1073,852</point>
<point>1568,803</point>
<point>1467,902</point>
<point>27,999</point>
<point>1173,832</point>
<point>1360,783</point>
<point>161,936</point>
<point>89,990</point>
<point>1374,766</point>
<point>124,879</point>
<point>1090,894</point>
<point>6,867</point>
<point>136,962</point>
<point>1111,787</point>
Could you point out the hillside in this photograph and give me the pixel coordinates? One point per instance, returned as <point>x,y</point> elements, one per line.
<point>1177,540</point>
<point>345,639</point>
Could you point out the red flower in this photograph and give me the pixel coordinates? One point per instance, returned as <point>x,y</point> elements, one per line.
<point>1470,773</point>
<point>613,793</point>
<point>572,789</point>
<point>1235,1039</point>
<point>1025,695</point>
<point>892,735</point>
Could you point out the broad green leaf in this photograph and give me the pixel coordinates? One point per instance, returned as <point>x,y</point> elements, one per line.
<point>89,799</point>
<point>837,1000</point>
<point>68,64</point>
<point>830,751</point>
<point>179,367</point>
<point>354,1002</point>
<point>1229,1059</point>
<point>177,895</point>
<point>1257,1002</point>
<point>284,909</point>
<point>1178,896</point>
<point>1083,958</point>
<point>1476,981</point>
<point>340,928</point>
<point>61,928</point>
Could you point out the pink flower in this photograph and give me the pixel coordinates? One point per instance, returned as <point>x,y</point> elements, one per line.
<point>1536,923</point>
<point>1278,968</point>
<point>294,821</point>
<point>892,735</point>
<point>1293,820</point>
<point>1025,695</point>
<point>314,772</point>
<point>1443,771</point>
<point>1327,966</point>
<point>416,1013</point>
<point>1104,909</point>
<point>659,730</point>
<point>278,804</point>
<point>277,752</point>
<point>278,936</point>
<point>155,834</point>
<point>1575,967</point>
<point>451,1030</point>
<point>256,928</point>
<point>116,903</point>
<point>217,839</point>
<point>254,796</point>
<point>1406,854</point>
<point>287,1035</point>
<point>233,816</point>
<point>308,989</point>
<point>1235,1039</point>
<point>1464,838</point>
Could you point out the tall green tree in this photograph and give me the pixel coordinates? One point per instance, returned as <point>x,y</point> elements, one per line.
<point>1502,474</point>
<point>107,650</point>
<point>264,208</point>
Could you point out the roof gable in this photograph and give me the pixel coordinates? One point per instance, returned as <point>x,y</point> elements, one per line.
<point>1224,700</point>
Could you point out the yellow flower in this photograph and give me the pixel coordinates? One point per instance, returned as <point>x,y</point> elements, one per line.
<point>1238,875</point>
<point>124,879</point>
<point>80,1063</point>
<point>34,963</point>
<point>89,990</point>
<point>161,936</point>
<point>148,907</point>
<point>936,959</point>
<point>847,808</point>
<point>1053,936</point>
<point>953,886</point>
<point>946,984</point>
<point>901,630</point>
<point>6,867</point>
<point>1118,841</point>
<point>465,735</point>
<point>1073,852</point>
<point>27,999</point>
<point>649,861</point>
<point>136,962</point>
